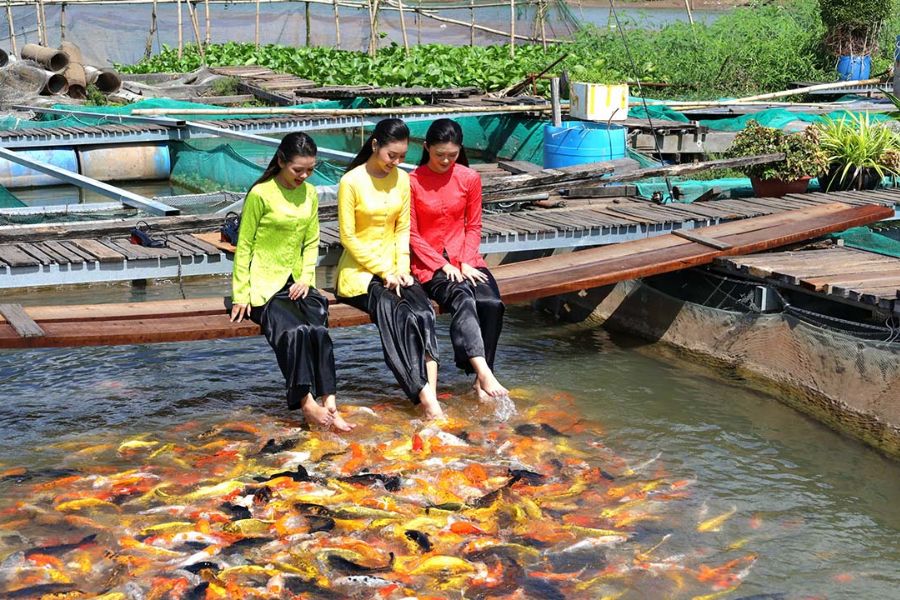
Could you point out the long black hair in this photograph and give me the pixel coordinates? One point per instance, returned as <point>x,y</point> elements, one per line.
<point>386,131</point>
<point>445,131</point>
<point>292,145</point>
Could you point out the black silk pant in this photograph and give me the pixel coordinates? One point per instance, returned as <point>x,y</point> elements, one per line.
<point>406,326</point>
<point>297,330</point>
<point>477,316</point>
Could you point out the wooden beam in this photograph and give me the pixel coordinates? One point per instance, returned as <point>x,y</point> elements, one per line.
<point>23,324</point>
<point>701,239</point>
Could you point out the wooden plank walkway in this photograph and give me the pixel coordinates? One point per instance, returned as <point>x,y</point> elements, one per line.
<point>84,259</point>
<point>840,273</point>
<point>201,319</point>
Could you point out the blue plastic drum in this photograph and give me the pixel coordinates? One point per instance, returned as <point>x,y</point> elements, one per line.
<point>854,68</point>
<point>580,142</point>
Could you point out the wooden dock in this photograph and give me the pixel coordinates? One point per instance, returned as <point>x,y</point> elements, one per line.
<point>66,254</point>
<point>188,320</point>
<point>841,274</point>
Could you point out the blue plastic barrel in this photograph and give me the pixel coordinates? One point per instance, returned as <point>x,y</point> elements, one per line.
<point>853,68</point>
<point>580,142</point>
<point>15,176</point>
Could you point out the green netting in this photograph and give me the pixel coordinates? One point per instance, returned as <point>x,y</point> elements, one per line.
<point>8,199</point>
<point>863,238</point>
<point>772,117</point>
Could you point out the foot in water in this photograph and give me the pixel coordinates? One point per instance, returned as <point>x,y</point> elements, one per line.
<point>338,423</point>
<point>316,416</point>
<point>432,409</point>
<point>488,388</point>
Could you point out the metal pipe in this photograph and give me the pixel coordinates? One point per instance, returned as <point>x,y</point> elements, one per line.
<point>75,76</point>
<point>126,197</point>
<point>51,58</point>
<point>107,81</point>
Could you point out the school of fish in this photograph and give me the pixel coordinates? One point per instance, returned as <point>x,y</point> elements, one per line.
<point>469,507</point>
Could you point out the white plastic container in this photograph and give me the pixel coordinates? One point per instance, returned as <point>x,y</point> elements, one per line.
<point>598,102</point>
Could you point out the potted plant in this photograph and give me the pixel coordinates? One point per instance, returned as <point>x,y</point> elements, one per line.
<point>851,33</point>
<point>803,159</point>
<point>860,152</point>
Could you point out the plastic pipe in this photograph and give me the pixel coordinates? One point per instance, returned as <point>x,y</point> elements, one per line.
<point>50,58</point>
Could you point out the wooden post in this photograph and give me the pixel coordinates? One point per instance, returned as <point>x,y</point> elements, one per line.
<point>512,28</point>
<point>195,23</point>
<point>554,102</point>
<point>208,22</point>
<point>687,5</point>
<point>337,25</point>
<point>472,28</point>
<point>419,23</point>
<point>257,23</point>
<point>308,26</point>
<point>373,27</point>
<point>403,27</point>
<point>148,51</point>
<point>180,32</point>
<point>543,8</point>
<point>62,22</point>
<point>12,28</point>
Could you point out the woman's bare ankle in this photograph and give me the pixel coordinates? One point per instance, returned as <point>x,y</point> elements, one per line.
<point>429,403</point>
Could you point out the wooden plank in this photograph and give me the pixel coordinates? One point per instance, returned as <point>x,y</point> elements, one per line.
<point>14,257</point>
<point>61,258</point>
<point>100,252</point>
<point>39,255</point>
<point>66,252</point>
<point>200,243</point>
<point>517,167</point>
<point>851,274</point>
<point>700,239</point>
<point>23,324</point>
<point>182,248</point>
<point>214,238</point>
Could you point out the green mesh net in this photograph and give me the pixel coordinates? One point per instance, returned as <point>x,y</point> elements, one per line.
<point>863,238</point>
<point>8,199</point>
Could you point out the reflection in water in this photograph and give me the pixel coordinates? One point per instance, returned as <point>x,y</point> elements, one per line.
<point>620,472</point>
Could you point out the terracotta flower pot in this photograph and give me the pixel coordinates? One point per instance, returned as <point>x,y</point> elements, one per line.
<point>776,188</point>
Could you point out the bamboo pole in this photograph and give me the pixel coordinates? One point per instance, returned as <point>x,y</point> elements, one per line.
<point>782,94</point>
<point>148,51</point>
<point>208,37</point>
<point>337,25</point>
<point>62,22</point>
<point>40,30</point>
<point>180,32</point>
<point>472,27</point>
<point>373,27</point>
<point>512,28</point>
<point>44,23</point>
<point>418,23</point>
<point>195,24</point>
<point>543,8</point>
<point>525,38</point>
<point>12,28</point>
<point>344,112</point>
<point>403,27</point>
<point>257,23</point>
<point>687,5</point>
<point>306,18</point>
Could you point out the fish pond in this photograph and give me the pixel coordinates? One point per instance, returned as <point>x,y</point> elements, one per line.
<point>174,471</point>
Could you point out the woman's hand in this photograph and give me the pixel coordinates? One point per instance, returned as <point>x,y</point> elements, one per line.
<point>453,274</point>
<point>239,311</point>
<point>472,274</point>
<point>406,280</point>
<point>298,290</point>
<point>392,282</point>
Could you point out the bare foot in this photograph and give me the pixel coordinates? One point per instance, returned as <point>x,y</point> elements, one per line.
<point>483,396</point>
<point>315,414</point>
<point>488,384</point>
<point>432,408</point>
<point>339,424</point>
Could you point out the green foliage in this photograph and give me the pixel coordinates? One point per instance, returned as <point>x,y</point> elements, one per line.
<point>749,50</point>
<point>226,86</point>
<point>803,156</point>
<point>853,25</point>
<point>95,97</point>
<point>856,142</point>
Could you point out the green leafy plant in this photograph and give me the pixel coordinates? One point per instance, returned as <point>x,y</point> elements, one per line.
<point>852,26</point>
<point>803,156</point>
<point>856,143</point>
